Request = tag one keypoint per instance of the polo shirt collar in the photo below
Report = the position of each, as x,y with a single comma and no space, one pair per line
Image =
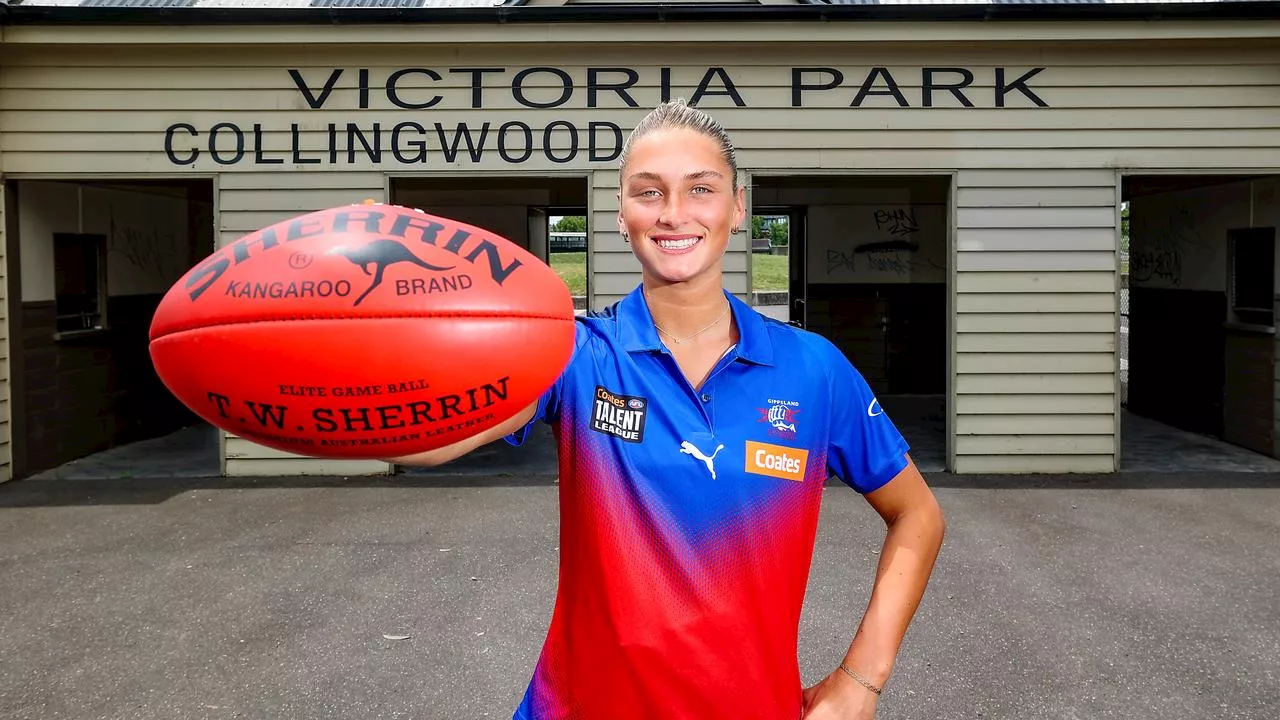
637,332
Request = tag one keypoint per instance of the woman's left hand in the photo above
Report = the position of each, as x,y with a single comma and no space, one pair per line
839,697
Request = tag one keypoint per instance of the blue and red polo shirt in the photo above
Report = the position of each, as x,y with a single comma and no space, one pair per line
688,516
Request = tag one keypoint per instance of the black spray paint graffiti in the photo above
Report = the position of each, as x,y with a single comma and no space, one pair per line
1160,244
1163,263
884,256
150,250
900,222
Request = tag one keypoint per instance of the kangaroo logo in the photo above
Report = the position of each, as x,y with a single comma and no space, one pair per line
381,253
688,448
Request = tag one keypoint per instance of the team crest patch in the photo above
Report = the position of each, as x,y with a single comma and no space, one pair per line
781,416
622,416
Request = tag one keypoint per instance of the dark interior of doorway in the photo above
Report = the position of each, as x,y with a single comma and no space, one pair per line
99,257
521,209
1196,333
866,267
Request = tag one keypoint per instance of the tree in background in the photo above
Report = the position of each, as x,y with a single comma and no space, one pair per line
773,227
570,223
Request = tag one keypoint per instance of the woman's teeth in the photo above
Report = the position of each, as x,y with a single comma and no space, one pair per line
684,244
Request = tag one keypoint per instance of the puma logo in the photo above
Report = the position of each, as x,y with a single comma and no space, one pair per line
688,448
380,254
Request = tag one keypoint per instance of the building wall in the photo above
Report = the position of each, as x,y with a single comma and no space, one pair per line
1034,273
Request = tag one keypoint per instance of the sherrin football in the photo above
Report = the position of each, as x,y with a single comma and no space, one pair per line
363,331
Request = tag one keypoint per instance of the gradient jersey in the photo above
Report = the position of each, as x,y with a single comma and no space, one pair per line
688,516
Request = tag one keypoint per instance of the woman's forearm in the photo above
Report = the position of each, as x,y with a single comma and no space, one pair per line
906,562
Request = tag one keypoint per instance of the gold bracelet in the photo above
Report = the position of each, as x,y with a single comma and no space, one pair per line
862,682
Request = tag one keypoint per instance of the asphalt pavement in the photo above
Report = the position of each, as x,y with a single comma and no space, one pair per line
1134,596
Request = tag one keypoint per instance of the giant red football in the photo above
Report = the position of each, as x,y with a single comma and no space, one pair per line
363,331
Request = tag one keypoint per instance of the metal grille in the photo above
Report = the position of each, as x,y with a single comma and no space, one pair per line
1123,341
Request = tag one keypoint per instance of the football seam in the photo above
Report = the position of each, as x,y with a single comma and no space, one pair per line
397,316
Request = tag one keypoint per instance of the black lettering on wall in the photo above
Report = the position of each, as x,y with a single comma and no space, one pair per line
474,148
477,82
413,141
928,85
215,151
890,89
548,145
420,146
364,89
595,86
374,151
799,86
168,144
1003,88
595,149
259,156
393,90
502,141
566,87
295,141
315,102
726,83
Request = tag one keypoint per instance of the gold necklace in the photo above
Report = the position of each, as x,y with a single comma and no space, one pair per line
680,341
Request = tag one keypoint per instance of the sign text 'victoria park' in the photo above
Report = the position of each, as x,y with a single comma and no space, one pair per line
416,140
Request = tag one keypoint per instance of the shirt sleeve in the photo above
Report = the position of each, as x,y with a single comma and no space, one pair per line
548,410
865,449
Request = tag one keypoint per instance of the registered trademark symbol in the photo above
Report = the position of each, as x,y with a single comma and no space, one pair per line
299,260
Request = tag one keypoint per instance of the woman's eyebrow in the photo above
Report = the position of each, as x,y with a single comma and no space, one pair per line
697,175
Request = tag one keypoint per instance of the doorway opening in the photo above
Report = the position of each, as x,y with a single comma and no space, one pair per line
865,262
1197,338
91,261
547,216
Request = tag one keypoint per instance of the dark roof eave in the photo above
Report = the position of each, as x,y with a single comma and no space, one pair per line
657,12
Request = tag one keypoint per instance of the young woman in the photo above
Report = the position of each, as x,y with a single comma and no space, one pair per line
695,436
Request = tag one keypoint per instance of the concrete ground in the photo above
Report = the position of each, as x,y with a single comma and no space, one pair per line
1134,596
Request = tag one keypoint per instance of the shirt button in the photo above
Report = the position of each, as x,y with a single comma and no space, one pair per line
706,397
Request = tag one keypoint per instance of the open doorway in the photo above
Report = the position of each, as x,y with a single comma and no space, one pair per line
1197,328
91,261
547,216
865,262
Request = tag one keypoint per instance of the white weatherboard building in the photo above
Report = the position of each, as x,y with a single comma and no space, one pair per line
960,180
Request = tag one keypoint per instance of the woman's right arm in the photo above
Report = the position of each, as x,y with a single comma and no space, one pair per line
448,453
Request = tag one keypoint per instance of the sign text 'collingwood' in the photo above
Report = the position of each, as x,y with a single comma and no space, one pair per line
418,140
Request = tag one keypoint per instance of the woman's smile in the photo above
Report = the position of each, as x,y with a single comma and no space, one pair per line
676,244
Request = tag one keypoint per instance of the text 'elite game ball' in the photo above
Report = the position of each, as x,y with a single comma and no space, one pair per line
364,331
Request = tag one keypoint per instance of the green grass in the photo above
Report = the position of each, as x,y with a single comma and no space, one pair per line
572,267
770,273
